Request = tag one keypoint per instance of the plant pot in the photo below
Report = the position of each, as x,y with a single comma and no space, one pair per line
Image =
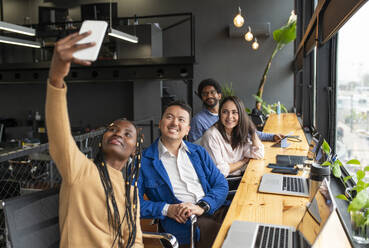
360,231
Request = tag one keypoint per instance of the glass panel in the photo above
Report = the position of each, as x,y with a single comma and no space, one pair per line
352,127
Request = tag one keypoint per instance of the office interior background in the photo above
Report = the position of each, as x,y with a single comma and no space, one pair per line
181,43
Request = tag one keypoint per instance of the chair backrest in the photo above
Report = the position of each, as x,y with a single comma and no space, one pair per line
32,219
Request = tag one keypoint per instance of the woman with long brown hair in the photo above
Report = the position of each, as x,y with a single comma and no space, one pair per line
232,141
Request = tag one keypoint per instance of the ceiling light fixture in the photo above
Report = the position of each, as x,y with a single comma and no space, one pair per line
238,19
17,29
121,35
255,44
20,42
249,36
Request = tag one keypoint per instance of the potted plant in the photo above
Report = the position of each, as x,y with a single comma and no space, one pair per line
282,37
358,197
269,108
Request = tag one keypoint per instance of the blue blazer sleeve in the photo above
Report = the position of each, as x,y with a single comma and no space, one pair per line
148,209
218,185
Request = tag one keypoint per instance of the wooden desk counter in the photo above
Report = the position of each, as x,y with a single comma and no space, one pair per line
248,204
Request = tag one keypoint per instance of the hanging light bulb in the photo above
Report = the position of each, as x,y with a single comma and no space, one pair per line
255,44
238,19
249,36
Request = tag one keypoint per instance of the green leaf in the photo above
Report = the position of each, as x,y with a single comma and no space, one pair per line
358,218
338,162
342,197
284,109
353,161
285,34
258,99
248,111
366,223
358,202
360,174
360,185
326,147
366,168
265,108
326,163
367,206
336,170
345,179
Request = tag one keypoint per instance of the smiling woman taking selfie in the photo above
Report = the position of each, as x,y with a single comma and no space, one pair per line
97,205
232,141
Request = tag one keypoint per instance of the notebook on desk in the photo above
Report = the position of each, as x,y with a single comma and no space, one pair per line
252,234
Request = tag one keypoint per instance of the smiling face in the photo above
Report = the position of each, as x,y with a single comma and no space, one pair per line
119,141
175,123
229,116
210,97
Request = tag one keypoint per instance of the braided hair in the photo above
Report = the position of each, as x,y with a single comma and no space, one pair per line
131,173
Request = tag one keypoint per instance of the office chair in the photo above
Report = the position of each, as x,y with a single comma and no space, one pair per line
33,222
8,188
233,183
164,242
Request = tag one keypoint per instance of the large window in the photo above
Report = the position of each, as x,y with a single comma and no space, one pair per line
352,126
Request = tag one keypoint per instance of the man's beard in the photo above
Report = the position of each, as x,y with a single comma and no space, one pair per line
211,105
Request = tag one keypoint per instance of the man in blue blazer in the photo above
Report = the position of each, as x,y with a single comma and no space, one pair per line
180,179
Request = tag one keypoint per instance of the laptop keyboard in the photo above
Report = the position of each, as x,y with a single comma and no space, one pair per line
274,237
293,184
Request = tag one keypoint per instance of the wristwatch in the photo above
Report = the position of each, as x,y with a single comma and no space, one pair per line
204,205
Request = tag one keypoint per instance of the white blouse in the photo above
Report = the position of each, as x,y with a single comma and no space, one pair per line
223,154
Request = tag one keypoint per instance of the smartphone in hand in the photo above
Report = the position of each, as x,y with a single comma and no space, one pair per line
98,30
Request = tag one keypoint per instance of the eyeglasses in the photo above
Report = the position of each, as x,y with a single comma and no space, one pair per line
206,93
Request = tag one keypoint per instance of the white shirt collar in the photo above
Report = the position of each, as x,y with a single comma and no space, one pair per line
163,150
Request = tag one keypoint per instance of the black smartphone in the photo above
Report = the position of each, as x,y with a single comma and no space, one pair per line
288,166
291,171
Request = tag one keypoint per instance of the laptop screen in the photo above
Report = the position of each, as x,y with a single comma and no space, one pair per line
317,214
314,148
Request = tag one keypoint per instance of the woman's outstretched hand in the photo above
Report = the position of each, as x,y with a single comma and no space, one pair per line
63,57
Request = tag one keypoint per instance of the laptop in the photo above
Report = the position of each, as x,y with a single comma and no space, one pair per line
289,185
317,214
314,146
284,185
